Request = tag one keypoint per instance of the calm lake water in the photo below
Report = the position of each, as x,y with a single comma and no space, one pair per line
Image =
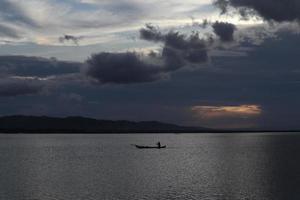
194,166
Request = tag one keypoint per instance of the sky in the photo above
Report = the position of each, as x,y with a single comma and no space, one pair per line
210,63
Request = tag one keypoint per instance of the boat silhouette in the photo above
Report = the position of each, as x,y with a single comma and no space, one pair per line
158,146
150,147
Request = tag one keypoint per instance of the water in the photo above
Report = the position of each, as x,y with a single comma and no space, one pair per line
194,166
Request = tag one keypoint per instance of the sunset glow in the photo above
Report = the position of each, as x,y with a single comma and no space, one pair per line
227,111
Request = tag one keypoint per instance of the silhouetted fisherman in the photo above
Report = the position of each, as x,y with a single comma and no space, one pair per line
158,144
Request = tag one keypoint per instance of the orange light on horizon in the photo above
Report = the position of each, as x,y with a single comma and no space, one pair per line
227,111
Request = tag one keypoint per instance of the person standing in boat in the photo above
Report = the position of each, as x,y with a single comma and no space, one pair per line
158,144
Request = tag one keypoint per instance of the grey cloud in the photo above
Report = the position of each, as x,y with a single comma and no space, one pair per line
224,31
121,68
74,39
274,10
6,31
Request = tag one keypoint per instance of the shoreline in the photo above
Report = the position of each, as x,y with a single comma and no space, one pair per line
146,132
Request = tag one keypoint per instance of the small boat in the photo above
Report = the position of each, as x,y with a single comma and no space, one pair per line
150,147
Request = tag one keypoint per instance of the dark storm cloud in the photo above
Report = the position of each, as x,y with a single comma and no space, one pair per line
122,68
224,30
179,49
74,39
274,10
16,87
6,31
10,11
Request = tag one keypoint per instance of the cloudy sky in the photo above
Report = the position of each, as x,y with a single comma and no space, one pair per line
211,63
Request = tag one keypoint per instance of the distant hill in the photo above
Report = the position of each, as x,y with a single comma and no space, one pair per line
43,124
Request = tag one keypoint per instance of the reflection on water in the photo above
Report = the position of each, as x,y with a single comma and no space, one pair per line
194,166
